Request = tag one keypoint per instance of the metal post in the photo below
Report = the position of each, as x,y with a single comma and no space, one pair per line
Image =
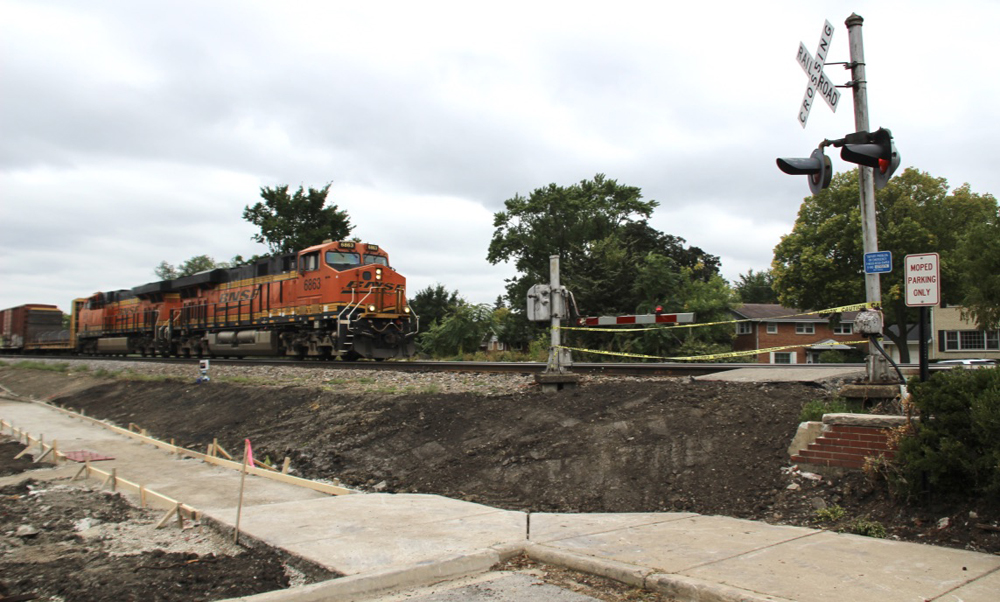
922,333
557,375
878,368
555,353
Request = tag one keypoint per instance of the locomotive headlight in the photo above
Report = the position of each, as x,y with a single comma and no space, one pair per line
378,273
371,308
406,310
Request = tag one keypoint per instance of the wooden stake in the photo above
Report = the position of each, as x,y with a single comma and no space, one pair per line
45,453
142,496
219,449
286,465
239,506
85,467
166,517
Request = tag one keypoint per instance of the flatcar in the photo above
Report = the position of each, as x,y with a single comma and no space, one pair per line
336,299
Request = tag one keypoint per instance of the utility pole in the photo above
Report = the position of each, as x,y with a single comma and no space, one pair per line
878,368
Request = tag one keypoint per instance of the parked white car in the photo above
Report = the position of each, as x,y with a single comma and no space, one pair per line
968,363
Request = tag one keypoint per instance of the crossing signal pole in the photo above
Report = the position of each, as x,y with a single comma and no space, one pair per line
870,151
878,367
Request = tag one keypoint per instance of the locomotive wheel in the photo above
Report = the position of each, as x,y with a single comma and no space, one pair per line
351,356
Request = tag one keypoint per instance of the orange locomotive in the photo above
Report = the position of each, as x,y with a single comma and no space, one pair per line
336,299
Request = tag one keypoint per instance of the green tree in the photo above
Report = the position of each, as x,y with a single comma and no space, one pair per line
198,263
433,304
292,222
611,259
462,331
600,231
978,260
821,262
756,287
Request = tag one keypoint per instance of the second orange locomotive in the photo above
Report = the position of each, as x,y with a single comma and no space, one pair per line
336,299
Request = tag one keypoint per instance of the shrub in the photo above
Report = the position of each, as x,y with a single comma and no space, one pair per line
830,514
955,448
841,357
868,528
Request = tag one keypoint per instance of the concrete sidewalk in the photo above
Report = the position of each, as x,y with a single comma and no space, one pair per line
384,542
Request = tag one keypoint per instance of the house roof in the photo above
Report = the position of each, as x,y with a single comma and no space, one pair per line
829,345
772,312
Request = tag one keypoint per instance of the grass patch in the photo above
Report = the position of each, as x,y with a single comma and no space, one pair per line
830,514
813,410
244,380
431,389
36,365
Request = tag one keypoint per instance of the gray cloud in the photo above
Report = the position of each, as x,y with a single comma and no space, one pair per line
138,132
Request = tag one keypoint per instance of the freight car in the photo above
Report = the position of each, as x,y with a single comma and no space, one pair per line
31,328
336,299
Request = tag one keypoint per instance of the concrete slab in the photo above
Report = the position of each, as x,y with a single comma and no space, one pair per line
490,587
550,527
674,546
984,589
358,533
203,486
805,375
835,567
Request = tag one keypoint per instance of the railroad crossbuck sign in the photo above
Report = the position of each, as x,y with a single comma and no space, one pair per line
819,83
923,279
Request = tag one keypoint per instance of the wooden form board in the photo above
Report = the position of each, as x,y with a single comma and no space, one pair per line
327,488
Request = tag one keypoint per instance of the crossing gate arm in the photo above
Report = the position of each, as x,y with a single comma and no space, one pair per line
682,318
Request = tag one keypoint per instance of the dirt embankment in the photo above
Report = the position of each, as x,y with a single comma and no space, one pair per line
617,446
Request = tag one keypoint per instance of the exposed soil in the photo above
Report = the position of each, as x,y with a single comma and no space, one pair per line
610,446
61,542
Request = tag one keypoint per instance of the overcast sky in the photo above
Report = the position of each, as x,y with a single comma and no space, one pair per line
136,132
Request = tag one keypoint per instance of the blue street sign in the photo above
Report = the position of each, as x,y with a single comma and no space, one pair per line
879,262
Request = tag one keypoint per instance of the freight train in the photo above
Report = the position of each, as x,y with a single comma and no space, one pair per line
336,299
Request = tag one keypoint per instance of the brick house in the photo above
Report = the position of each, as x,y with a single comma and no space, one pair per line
771,325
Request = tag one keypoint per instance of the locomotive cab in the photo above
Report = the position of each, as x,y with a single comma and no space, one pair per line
371,318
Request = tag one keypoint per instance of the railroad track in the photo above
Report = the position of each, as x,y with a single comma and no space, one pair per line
609,368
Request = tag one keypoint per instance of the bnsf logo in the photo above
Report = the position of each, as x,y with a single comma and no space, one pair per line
355,285
237,296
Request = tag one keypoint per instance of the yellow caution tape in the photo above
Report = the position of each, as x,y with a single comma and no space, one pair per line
713,356
616,330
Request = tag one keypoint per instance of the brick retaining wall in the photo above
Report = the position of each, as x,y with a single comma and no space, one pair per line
847,440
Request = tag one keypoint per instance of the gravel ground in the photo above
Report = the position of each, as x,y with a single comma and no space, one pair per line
346,380
340,380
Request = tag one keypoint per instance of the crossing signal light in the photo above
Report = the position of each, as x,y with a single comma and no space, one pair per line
876,150
817,166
